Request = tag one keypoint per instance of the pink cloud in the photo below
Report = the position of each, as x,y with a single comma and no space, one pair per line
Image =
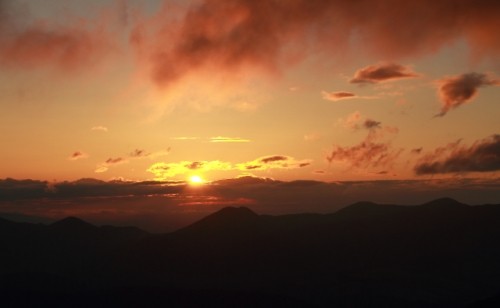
272,35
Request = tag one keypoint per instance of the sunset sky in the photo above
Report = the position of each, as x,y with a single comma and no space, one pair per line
288,90
327,90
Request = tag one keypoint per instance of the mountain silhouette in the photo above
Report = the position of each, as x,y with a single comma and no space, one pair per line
442,254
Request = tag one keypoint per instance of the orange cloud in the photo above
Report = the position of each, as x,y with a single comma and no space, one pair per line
457,90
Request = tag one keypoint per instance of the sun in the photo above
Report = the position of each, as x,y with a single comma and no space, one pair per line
196,179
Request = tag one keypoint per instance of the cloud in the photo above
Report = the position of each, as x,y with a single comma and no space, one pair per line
382,72
162,170
455,91
273,162
356,121
372,151
482,156
100,128
245,34
221,139
109,163
371,124
137,153
78,155
337,96
75,45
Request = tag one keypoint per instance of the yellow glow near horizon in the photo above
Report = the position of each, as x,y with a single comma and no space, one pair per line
196,179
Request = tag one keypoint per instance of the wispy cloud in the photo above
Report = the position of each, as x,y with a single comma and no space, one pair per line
100,128
455,91
222,139
373,151
103,167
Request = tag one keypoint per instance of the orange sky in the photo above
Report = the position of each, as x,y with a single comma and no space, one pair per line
325,90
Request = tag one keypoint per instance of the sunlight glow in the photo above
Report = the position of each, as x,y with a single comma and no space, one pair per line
196,179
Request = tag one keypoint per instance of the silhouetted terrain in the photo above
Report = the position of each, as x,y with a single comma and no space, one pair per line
442,253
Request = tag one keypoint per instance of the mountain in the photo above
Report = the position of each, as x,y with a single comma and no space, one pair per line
439,254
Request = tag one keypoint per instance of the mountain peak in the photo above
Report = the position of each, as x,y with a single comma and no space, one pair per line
73,223
235,212
224,220
444,203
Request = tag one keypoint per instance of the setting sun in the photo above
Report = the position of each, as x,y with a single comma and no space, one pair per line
196,179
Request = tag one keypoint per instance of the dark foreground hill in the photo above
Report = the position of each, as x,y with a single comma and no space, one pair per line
439,254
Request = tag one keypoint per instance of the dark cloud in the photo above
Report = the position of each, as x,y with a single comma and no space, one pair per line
112,161
482,156
457,90
77,155
231,35
137,153
382,72
165,206
195,165
271,159
371,124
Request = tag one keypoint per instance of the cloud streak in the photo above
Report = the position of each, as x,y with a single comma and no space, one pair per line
482,156
458,90
221,139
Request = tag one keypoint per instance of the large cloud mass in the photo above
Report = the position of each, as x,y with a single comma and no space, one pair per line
272,34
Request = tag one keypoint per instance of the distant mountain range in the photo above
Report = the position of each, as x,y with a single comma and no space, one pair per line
439,254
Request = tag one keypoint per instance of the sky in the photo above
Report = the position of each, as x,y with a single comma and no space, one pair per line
326,91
